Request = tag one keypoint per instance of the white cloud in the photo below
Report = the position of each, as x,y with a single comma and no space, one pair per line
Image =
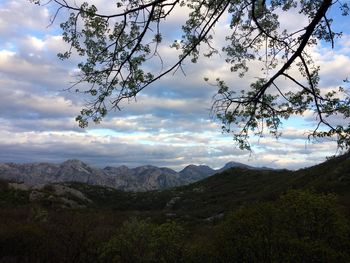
18,13
36,43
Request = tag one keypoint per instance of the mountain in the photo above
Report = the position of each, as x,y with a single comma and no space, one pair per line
143,178
193,173
42,173
230,165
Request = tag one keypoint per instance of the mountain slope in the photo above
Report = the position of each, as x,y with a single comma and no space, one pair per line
193,173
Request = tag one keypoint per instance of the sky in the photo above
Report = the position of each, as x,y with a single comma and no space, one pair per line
169,125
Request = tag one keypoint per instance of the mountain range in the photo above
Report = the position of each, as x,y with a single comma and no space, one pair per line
143,178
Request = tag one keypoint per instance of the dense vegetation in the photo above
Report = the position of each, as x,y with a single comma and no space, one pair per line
236,216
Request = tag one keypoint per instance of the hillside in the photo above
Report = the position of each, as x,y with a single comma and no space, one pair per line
228,190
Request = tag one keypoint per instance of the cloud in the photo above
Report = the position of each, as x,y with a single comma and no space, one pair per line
169,124
11,12
19,103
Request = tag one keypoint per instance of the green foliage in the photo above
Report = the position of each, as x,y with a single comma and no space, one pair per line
140,241
300,227
3,185
168,244
131,244
314,227
20,243
12,197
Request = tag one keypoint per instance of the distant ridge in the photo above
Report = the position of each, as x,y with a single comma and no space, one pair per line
230,165
142,178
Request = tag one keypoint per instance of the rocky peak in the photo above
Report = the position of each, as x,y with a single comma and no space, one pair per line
193,173
76,165
203,168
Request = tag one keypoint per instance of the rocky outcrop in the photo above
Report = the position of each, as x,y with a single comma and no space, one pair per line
31,174
43,173
143,178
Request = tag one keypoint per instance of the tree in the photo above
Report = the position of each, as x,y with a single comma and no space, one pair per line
141,241
115,49
299,227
